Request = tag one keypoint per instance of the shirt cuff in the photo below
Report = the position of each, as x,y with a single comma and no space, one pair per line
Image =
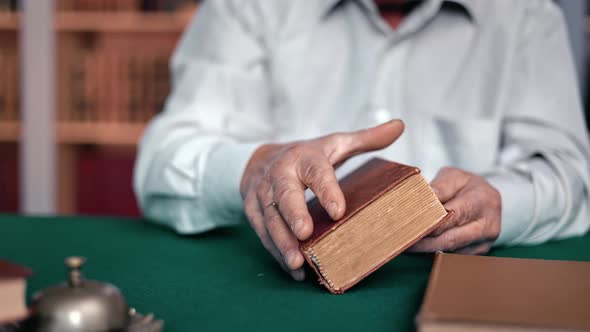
518,205
220,189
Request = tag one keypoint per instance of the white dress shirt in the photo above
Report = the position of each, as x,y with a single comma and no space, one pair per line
486,86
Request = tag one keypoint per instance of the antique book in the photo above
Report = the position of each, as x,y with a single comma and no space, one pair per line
479,293
389,206
12,291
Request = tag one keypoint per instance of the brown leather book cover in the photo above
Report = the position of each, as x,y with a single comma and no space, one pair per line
9,270
361,187
494,293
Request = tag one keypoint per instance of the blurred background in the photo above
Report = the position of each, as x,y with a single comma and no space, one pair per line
79,80
110,77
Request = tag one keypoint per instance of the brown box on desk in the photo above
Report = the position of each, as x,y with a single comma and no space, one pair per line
478,293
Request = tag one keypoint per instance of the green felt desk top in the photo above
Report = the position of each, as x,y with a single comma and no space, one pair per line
224,280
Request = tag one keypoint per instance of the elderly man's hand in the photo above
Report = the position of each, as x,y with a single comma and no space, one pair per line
475,224
274,182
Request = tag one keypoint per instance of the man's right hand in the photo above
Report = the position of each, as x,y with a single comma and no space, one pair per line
274,182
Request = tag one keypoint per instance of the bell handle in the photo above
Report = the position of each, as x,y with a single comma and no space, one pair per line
75,263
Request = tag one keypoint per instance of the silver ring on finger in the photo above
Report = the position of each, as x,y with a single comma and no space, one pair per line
273,204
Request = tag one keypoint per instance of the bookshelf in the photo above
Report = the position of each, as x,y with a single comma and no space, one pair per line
9,103
111,74
113,77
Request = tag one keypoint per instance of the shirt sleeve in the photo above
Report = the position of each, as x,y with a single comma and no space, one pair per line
543,173
191,157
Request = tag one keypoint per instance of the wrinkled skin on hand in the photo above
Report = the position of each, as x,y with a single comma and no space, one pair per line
475,224
274,182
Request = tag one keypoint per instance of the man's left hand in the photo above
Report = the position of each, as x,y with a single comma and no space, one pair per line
475,224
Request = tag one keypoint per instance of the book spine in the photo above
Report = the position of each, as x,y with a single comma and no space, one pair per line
4,112
102,95
162,82
122,78
146,96
13,68
132,101
17,83
152,88
119,77
316,265
97,75
110,108
114,83
119,114
90,88
77,87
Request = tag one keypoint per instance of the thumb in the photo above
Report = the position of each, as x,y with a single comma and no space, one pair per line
340,147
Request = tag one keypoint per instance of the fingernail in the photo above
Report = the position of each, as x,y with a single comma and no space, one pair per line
298,275
400,121
291,258
332,209
297,226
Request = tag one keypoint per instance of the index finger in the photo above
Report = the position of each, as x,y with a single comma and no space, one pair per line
318,174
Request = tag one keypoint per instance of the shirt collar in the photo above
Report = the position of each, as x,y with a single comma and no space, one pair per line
470,7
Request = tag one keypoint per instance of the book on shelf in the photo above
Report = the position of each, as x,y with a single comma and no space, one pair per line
3,90
119,5
109,83
484,294
102,5
389,206
9,85
9,5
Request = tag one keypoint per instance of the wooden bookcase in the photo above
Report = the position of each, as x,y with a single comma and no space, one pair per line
9,125
104,46
102,98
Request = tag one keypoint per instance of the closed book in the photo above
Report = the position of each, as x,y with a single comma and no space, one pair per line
12,291
479,293
389,206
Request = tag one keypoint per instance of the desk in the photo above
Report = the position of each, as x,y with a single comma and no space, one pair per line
224,280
